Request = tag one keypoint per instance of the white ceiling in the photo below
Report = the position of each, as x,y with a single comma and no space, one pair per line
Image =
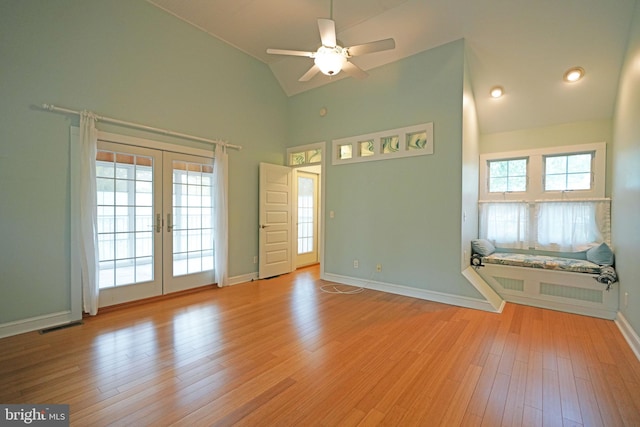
523,45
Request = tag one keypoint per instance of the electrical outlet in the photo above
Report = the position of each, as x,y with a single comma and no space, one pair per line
378,268
255,259
626,299
356,264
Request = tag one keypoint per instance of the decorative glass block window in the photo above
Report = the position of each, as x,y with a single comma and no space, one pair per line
568,172
389,144
507,175
367,148
297,158
416,141
314,156
305,157
345,151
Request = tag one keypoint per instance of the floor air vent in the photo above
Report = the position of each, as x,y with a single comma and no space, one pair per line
57,328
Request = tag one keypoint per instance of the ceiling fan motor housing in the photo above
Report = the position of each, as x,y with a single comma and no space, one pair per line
330,60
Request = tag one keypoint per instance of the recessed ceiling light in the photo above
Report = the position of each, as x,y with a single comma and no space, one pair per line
496,91
573,74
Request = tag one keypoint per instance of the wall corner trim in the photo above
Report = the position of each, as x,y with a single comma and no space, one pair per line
484,288
628,333
457,300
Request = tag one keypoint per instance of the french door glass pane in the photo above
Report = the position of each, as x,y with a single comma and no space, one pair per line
125,218
305,215
192,212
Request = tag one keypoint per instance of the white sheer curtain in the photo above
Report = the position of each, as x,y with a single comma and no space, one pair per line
570,226
506,224
87,226
221,227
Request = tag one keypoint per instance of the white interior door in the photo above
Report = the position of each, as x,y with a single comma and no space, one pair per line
275,228
155,216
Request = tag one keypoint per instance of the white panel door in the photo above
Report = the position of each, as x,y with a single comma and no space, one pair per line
275,228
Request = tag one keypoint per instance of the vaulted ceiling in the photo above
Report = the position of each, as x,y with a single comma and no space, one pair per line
524,46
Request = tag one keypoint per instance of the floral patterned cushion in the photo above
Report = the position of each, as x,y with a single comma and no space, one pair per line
541,261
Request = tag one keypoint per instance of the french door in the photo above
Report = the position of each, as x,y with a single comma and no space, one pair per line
155,222
307,245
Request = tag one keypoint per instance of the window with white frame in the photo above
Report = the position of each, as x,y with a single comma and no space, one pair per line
549,199
390,144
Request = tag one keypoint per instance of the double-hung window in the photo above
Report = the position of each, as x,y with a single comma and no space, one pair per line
548,199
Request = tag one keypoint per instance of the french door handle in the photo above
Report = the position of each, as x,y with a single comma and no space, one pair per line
158,223
169,224
263,226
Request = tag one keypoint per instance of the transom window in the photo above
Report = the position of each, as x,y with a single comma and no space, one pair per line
568,172
507,175
389,144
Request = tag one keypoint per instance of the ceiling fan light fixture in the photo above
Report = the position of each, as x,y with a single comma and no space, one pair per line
330,60
573,74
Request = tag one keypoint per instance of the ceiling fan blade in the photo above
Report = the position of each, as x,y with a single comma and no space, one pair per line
309,74
327,29
354,71
371,47
290,52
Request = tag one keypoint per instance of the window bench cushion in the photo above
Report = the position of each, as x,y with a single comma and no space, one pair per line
542,261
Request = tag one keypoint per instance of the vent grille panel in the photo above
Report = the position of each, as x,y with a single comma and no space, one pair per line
570,292
511,284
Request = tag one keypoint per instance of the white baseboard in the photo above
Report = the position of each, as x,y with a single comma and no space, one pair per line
243,278
34,323
407,291
629,334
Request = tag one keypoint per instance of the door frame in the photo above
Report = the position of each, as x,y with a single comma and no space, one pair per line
322,182
75,312
316,206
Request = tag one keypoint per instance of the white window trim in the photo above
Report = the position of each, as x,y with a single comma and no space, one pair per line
75,279
156,145
308,147
377,137
535,174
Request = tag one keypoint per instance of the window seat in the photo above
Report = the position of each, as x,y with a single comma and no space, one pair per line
566,284
542,261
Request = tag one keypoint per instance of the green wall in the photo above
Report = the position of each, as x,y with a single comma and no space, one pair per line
403,213
625,221
125,59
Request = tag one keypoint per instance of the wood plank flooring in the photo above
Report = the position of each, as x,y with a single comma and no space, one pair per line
280,352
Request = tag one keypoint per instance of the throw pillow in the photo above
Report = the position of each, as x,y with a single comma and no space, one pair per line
601,254
482,247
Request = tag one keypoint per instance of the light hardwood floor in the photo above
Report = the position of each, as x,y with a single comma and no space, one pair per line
281,352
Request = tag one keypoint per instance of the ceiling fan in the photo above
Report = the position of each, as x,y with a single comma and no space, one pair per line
330,58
